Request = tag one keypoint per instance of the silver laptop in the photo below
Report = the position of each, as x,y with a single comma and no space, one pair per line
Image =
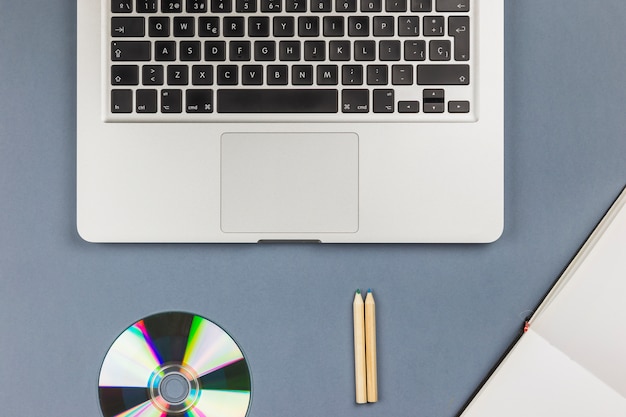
316,120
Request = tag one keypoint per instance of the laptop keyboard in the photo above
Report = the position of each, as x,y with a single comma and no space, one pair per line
293,60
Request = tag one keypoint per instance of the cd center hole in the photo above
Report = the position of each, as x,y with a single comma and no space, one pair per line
174,388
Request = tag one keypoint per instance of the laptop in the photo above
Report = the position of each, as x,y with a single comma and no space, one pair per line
290,120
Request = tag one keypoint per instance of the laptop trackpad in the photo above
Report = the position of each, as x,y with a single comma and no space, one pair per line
290,182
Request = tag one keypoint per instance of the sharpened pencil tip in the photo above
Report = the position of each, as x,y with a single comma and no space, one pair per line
369,290
358,291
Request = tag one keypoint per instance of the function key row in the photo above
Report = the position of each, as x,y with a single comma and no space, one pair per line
276,6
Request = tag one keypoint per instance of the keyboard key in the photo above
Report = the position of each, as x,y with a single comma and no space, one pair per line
159,27
355,101
321,5
152,75
364,50
271,6
408,107
146,101
434,107
458,27
277,74
284,26
227,75
243,100
289,51
402,75
265,50
296,6
327,75
377,74
369,6
239,50
234,26
339,50
221,6
453,5
443,74
199,101
165,51
434,100
121,6
352,75
252,75
196,6
171,6
414,50
127,27
171,101
121,101
389,50
333,26
345,6
184,26
433,25
421,6
302,75
190,51
245,6
395,5
458,106
440,50
383,26
215,51
258,26
202,75
408,26
383,101
434,95
130,51
177,75
308,26
314,51
124,75
208,26
147,6
358,26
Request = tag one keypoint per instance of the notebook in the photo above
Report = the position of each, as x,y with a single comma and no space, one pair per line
570,359
314,120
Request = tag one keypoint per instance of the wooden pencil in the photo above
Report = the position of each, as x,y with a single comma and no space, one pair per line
370,348
360,380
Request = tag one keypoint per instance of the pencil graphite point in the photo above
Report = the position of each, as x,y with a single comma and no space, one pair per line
369,290
358,291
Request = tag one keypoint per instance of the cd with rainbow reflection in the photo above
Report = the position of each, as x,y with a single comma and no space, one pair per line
174,364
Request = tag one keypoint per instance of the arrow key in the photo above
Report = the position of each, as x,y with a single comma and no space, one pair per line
458,106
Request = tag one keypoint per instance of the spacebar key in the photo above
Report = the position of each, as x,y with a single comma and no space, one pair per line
277,101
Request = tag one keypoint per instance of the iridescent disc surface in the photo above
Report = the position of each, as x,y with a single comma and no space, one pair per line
174,364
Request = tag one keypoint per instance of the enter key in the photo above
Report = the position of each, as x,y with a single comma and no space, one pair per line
459,28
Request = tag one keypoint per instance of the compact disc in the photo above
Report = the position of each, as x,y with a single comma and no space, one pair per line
174,364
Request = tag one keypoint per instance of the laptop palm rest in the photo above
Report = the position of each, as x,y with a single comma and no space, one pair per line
289,182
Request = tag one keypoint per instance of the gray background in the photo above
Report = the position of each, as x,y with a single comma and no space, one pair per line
445,312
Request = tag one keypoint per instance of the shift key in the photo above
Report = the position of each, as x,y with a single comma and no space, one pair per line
443,75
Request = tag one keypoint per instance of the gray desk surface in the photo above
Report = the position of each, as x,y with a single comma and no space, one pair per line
445,312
